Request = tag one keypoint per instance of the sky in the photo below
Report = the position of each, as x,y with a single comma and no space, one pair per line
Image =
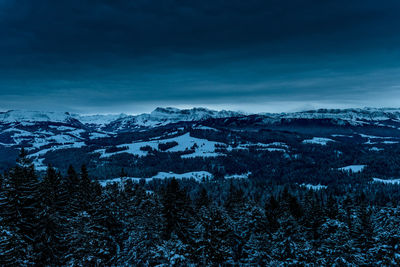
113,56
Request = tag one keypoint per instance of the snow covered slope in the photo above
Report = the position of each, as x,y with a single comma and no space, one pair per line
193,147
164,116
222,132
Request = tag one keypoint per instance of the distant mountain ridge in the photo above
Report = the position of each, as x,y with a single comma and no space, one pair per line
162,116
158,117
53,137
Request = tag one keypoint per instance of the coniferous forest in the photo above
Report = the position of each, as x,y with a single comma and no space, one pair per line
59,220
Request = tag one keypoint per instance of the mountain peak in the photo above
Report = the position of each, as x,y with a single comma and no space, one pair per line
28,115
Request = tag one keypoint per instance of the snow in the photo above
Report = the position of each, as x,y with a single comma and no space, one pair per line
101,120
77,132
238,176
318,140
314,187
271,147
205,148
163,116
63,138
388,181
62,128
340,135
390,142
185,142
353,168
196,175
202,154
38,161
373,137
98,135
39,165
31,116
354,116
28,117
201,127
376,149
279,144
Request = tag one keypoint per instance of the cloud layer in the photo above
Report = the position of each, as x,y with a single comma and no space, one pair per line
114,56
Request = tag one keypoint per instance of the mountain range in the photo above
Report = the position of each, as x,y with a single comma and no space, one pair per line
183,136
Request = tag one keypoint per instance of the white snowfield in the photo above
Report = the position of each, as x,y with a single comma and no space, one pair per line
163,116
238,176
201,147
353,168
195,147
198,176
97,135
271,147
388,181
37,158
318,141
314,187
376,149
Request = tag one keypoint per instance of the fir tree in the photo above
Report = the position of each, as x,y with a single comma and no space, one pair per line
19,209
52,226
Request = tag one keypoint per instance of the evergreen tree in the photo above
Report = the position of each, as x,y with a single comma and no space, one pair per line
213,237
85,190
53,220
177,212
19,208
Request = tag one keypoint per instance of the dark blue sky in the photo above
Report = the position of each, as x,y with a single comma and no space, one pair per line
255,55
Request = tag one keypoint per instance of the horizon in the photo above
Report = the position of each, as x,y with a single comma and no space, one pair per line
386,108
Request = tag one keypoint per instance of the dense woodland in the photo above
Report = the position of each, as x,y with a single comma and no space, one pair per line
71,220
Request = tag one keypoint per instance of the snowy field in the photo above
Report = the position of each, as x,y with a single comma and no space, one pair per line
314,187
388,181
318,141
200,147
353,168
198,176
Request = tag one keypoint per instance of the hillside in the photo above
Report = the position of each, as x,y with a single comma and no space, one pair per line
199,140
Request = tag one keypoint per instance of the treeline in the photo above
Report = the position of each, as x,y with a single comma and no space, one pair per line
71,220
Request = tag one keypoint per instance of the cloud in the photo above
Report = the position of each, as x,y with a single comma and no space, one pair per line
119,53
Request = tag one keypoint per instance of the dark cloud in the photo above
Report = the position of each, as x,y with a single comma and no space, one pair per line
175,51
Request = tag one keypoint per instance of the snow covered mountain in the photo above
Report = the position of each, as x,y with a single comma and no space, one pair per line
164,116
353,116
188,133
160,116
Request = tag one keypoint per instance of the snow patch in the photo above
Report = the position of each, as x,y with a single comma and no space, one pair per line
200,147
314,187
353,168
318,140
238,176
197,175
388,181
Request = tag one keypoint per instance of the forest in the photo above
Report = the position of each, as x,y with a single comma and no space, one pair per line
69,219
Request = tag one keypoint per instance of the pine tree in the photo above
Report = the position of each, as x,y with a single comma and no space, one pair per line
85,191
53,220
363,231
142,231
19,208
272,213
213,237
176,212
